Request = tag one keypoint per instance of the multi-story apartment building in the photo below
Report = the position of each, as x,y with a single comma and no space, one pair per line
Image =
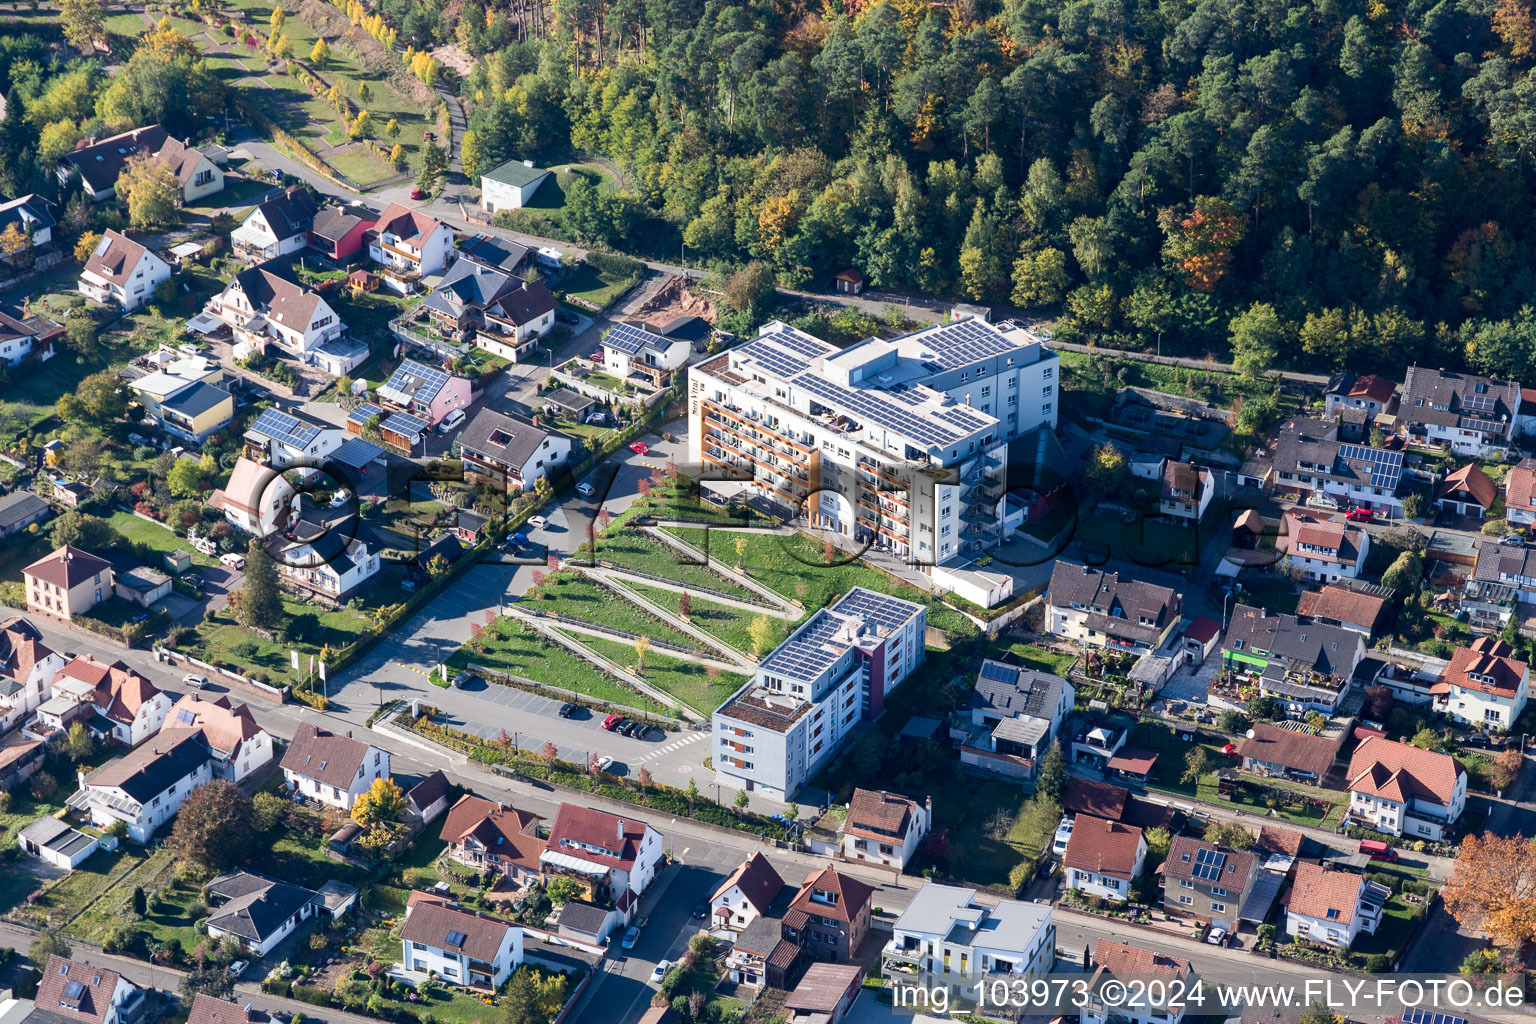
66,583
1405,790
145,787
1099,608
1470,414
1313,459
1207,881
945,930
807,694
900,443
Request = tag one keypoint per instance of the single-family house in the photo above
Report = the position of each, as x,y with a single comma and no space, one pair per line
171,375
1207,881
196,411
884,828
630,349
237,745
459,947
1471,415
1503,576
1016,713
99,163
614,858
425,391
1101,609
331,566
121,271
498,253
408,245
1466,492
511,449
1484,686
487,835
67,582
52,841
1306,665
745,895
1520,493
1352,604
1288,751
427,800
1371,392
129,708
945,929
208,1010
1404,790
1104,857
145,787
509,186
27,669
1332,906
83,993
761,954
262,306
1167,980
276,227
489,306
36,335
330,768
516,321
258,911
257,498
1186,492
19,510
338,232
829,916
33,217
281,439
1323,548
1317,460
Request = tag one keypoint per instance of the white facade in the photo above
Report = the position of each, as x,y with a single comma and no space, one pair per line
278,934
107,803
314,325
893,851
1480,709
1098,883
256,237
453,966
336,579
664,354
375,766
256,498
497,195
1012,938
136,287
404,258
28,693
1417,818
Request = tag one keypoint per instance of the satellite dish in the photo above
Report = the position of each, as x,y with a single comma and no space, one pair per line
1250,734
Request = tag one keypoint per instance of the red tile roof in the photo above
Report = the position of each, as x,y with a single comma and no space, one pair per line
67,567
1520,486
470,812
852,896
1488,666
1129,759
1203,630
21,647
877,814
1473,480
596,836
432,924
208,1010
1401,772
1105,847
1342,605
88,1003
1373,386
1273,839
759,882
1328,895
1099,799
1132,961
1288,748
325,756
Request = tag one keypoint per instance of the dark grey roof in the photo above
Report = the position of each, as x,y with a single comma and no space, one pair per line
469,285
195,399
505,440
288,213
428,791
579,916
494,252
1445,398
1498,562
153,768
99,164
571,401
760,935
357,453
1011,690
334,222
1311,446
20,506
1113,605
1319,647
37,210
257,906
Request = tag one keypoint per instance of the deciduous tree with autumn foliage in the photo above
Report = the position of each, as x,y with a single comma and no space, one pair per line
1493,888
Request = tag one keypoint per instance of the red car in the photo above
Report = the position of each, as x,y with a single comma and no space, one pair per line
640,448
1360,515
612,721
417,193
596,357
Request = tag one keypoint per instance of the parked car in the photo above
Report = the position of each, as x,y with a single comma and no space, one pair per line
612,722
604,763
631,937
700,910
636,729
567,317
234,561
567,710
196,682
538,522
195,580
518,539
462,680
1218,937
640,448
596,357
624,725
238,968
661,970
1360,515
418,193
342,497
586,490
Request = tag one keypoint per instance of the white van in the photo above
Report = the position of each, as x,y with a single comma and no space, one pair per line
234,561
451,421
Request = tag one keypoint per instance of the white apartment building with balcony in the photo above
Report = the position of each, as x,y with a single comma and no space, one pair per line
944,930
900,442
809,693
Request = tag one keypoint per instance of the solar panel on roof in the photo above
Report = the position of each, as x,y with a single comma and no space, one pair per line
1386,467
631,339
456,938
804,346
365,412
966,341
1000,673
186,717
877,410
276,423
405,424
781,364
1208,864
1423,1015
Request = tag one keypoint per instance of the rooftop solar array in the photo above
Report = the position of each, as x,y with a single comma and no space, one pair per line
874,407
404,424
365,412
962,416
1423,1015
1208,864
456,938
276,423
881,609
186,717
808,347
420,381
775,361
631,339
808,652
998,672
1478,403
966,341
1386,467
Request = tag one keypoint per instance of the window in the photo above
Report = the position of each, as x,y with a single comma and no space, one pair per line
1218,908
1185,900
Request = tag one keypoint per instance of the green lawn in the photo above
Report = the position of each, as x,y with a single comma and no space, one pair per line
173,919
1042,660
223,641
126,23
66,898
728,624
155,536
640,551
977,855
510,647
296,853
793,567
361,165
567,593
689,683
592,285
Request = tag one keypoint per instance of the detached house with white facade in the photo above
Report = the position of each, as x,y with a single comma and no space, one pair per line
330,768
1404,790
99,163
946,930
630,349
1469,414
1484,686
1102,609
1166,978
1016,714
612,857
237,745
511,450
257,498
884,828
78,992
122,272
1104,857
1332,906
27,668
407,245
262,307
276,227
1186,492
1323,548
459,947
745,895
145,787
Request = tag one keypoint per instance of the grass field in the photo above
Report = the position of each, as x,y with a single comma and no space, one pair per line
688,682
793,567
513,648
728,624
224,642
1041,659
158,537
581,598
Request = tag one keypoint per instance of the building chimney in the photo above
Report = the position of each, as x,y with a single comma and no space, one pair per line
621,829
